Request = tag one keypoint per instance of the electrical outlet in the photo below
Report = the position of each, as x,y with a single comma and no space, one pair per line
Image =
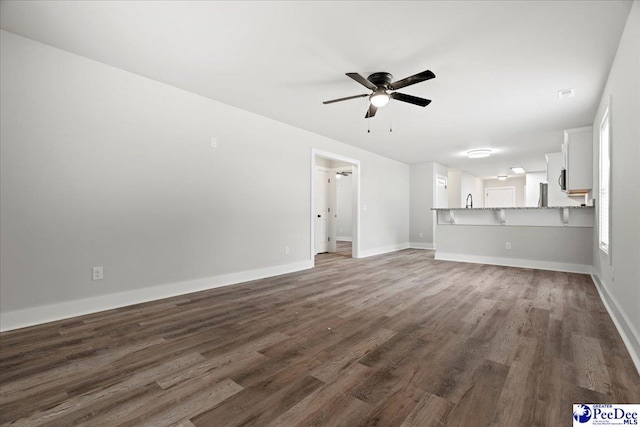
214,142
286,250
98,273
421,235
507,245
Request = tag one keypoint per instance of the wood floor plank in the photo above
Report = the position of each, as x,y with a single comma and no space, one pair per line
323,396
527,377
176,407
336,365
452,373
313,351
223,366
431,411
60,374
80,402
393,410
398,339
505,343
254,405
12,410
346,411
481,397
590,367
480,310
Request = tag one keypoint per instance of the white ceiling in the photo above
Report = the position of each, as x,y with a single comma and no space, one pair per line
499,65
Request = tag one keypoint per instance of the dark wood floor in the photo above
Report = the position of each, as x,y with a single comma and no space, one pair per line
391,340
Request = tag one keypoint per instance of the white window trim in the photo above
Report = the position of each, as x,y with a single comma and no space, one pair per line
606,204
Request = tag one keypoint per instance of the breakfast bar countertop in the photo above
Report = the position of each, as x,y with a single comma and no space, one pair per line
527,207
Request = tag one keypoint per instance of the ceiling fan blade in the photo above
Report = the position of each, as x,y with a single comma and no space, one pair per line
371,111
417,78
411,99
344,99
364,82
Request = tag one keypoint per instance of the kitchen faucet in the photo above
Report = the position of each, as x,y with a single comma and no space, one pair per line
469,201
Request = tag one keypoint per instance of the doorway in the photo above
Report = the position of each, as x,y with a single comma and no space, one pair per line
326,170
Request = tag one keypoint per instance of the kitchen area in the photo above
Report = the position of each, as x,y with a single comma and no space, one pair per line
547,223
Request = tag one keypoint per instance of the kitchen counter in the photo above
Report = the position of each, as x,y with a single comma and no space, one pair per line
527,207
552,216
551,238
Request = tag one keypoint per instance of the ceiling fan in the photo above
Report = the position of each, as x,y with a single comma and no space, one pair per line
381,87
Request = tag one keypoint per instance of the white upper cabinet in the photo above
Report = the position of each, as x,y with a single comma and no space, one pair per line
578,159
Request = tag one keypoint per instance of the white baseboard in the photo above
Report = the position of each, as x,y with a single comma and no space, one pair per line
383,250
64,310
515,262
625,328
422,245
343,239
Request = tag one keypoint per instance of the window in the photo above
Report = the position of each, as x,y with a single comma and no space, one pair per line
605,175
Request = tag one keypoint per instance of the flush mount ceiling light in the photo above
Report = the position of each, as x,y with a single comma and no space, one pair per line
379,98
566,93
517,169
502,177
476,154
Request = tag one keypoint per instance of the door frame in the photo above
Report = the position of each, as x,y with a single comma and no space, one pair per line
355,199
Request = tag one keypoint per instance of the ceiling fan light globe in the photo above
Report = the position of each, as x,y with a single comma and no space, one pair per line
379,99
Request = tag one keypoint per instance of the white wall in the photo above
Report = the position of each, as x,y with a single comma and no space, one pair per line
619,278
423,198
344,209
453,188
422,195
549,248
470,184
460,184
518,183
101,167
532,188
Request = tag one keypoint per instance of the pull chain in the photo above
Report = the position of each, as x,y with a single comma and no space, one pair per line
368,126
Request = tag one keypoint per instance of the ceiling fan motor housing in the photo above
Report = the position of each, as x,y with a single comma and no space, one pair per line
381,79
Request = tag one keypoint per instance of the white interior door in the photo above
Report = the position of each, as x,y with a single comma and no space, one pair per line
331,212
321,202
500,197
344,208
441,192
